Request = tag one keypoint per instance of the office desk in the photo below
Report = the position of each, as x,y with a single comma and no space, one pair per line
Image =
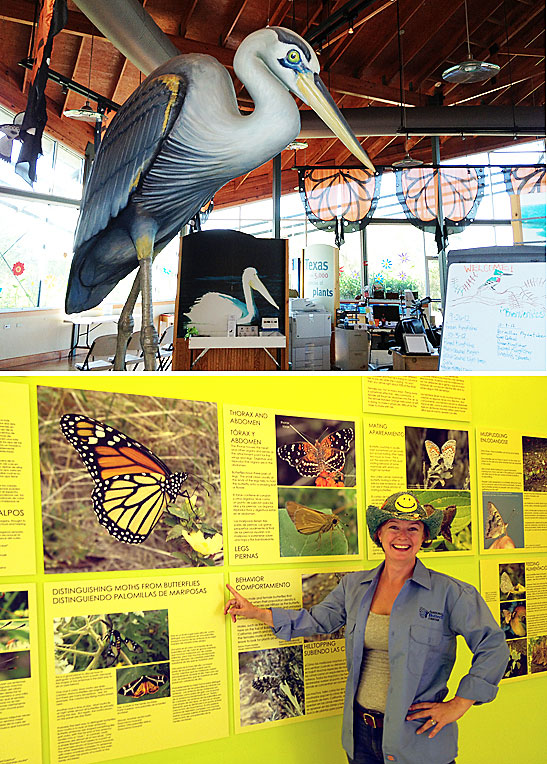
90,323
403,362
380,336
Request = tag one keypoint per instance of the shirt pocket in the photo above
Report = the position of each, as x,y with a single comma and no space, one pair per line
425,644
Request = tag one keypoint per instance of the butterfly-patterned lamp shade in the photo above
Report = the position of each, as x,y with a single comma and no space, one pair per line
525,180
339,200
462,191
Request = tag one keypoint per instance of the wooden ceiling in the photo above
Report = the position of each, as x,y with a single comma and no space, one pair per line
361,70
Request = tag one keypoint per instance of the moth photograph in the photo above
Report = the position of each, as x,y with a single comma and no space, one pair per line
534,459
318,452
437,458
90,642
143,683
503,520
271,685
317,522
128,481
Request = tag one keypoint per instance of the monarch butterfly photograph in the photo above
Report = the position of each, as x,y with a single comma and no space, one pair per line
128,482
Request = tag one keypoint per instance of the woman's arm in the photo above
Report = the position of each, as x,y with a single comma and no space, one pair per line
238,605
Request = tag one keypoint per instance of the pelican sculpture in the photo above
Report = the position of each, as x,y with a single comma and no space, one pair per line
174,143
210,313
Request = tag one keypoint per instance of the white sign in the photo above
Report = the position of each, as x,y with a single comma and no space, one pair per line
321,276
495,317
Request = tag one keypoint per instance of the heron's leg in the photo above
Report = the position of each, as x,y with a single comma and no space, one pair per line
149,335
126,324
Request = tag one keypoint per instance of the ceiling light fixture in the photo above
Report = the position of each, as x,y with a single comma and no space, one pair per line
296,145
86,113
406,161
470,70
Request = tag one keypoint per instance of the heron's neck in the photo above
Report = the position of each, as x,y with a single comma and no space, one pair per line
249,301
275,108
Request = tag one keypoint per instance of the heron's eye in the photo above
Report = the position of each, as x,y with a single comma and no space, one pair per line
293,56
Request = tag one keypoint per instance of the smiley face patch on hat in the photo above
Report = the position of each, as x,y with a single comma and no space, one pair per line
406,503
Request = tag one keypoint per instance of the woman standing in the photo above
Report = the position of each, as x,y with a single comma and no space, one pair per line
401,623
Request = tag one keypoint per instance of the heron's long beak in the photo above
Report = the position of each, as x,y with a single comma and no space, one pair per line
315,94
257,284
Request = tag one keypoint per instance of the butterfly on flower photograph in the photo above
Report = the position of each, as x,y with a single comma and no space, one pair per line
503,520
512,581
315,452
437,458
128,481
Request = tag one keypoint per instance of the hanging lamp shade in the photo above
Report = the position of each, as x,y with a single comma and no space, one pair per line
470,70
85,114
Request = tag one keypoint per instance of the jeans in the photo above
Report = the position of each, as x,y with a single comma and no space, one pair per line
367,743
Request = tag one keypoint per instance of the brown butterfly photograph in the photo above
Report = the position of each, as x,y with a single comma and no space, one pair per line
437,458
503,520
315,522
456,531
534,463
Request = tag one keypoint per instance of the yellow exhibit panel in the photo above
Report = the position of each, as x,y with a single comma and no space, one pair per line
17,554
19,676
134,665
277,682
516,592
293,486
513,490
428,395
435,463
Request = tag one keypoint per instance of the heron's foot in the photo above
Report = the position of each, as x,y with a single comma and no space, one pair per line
149,343
125,330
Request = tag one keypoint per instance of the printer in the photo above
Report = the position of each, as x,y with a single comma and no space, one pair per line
310,327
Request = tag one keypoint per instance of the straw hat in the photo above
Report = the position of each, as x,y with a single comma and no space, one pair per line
402,506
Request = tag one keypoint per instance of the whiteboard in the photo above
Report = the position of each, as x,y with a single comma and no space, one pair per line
496,311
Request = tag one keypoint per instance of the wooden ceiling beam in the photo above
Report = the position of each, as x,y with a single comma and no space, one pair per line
235,18
187,12
64,105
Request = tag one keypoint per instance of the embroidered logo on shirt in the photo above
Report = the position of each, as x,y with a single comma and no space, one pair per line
432,615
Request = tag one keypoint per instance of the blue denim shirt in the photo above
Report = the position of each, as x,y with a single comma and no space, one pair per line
430,610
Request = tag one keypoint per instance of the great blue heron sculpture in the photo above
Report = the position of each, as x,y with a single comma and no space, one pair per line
173,144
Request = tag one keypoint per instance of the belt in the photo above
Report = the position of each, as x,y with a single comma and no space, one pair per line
373,719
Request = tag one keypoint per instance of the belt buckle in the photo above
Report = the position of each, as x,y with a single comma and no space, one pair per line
369,720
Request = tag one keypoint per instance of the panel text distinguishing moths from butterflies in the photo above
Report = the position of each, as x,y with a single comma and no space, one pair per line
435,464
116,644
516,593
513,488
292,485
19,680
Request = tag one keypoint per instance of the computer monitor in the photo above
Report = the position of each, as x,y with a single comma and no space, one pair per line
389,313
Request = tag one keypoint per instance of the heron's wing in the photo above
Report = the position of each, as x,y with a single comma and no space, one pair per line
133,139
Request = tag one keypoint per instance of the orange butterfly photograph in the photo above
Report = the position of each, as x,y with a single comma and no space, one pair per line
318,452
129,482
